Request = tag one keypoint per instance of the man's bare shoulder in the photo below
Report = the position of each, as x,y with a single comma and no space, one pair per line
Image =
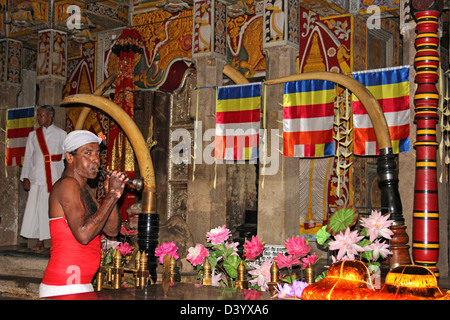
66,184
64,193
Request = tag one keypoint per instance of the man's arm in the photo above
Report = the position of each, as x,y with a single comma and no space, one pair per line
112,225
86,227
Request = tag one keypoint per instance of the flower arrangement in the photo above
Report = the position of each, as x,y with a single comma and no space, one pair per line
369,243
125,243
297,250
223,256
169,248
224,259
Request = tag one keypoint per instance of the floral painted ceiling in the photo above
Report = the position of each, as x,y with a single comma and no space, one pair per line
22,19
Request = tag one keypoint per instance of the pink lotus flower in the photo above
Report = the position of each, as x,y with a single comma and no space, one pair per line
346,244
127,232
309,259
169,248
377,225
111,244
261,274
286,261
196,254
284,291
253,248
297,246
218,235
124,248
298,287
293,291
216,278
378,248
233,245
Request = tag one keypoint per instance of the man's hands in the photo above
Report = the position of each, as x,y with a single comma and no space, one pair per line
115,183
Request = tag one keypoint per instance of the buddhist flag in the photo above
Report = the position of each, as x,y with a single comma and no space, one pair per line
308,113
238,116
20,122
391,88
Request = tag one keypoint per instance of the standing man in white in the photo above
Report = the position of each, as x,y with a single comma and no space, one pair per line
42,166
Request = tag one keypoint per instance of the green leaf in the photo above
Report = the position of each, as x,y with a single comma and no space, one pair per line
364,242
340,220
322,235
229,252
367,255
321,276
212,261
289,279
231,264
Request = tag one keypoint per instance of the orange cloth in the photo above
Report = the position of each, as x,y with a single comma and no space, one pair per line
70,261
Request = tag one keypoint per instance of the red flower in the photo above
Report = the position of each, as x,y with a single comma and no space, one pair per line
253,248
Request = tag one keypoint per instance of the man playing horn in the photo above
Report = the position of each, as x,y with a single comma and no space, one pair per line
77,219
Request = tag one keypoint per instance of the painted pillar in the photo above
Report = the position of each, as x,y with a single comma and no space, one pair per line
426,99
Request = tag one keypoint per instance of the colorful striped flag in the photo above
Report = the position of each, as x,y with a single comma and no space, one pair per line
20,122
238,116
308,114
391,88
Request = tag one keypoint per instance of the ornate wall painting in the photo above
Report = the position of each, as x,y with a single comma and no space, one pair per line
209,30
82,77
244,43
326,44
392,6
11,62
281,23
168,39
60,12
52,54
43,58
139,5
314,190
325,8
59,54
202,27
26,16
82,80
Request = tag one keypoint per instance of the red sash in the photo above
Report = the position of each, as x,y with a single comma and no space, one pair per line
48,158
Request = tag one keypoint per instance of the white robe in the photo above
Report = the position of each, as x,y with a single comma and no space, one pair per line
35,220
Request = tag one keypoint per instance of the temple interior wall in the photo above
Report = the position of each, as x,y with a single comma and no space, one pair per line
188,190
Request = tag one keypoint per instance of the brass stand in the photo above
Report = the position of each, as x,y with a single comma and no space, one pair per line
116,272
274,271
207,281
310,275
241,282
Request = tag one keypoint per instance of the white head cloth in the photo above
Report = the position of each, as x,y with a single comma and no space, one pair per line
78,138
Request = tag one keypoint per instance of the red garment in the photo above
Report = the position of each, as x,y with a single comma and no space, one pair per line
70,261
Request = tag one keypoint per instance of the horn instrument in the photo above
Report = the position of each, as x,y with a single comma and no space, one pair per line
137,183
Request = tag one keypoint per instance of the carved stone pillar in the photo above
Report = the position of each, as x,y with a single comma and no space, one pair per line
51,70
10,86
206,204
279,179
